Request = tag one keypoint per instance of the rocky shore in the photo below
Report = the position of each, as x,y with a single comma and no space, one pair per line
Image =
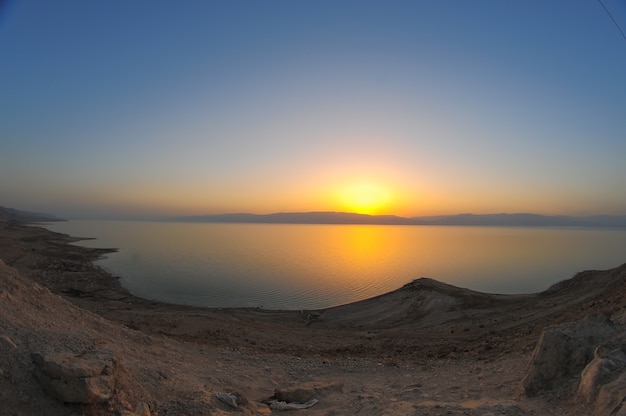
74,342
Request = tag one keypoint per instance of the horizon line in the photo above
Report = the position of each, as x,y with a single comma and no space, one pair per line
165,217
463,219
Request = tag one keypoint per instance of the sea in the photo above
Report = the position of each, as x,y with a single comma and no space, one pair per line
311,266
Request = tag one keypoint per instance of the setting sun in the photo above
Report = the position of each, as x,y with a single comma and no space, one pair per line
365,198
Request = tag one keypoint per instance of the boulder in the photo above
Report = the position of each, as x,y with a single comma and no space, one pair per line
588,356
611,398
608,363
306,392
563,351
71,378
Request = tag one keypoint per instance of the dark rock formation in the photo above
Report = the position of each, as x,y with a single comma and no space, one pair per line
307,391
586,359
70,378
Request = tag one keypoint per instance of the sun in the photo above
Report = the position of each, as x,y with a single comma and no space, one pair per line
365,198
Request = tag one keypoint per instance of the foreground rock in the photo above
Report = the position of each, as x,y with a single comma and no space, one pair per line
84,378
584,360
563,352
305,392
80,370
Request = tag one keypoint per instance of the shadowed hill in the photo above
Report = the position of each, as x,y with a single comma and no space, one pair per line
14,216
426,305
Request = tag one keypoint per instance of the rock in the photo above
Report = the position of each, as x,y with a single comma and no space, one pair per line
611,397
590,353
7,343
563,351
278,405
71,378
229,399
142,409
608,363
306,392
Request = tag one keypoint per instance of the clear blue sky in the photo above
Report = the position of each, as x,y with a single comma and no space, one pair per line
404,107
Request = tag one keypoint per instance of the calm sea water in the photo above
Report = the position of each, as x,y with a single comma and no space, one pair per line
286,266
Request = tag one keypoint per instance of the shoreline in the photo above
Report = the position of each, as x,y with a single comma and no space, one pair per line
520,261
425,348
70,272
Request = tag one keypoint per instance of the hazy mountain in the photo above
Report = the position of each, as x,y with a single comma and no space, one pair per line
524,219
528,220
302,218
12,215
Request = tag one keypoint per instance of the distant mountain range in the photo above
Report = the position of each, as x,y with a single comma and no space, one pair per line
15,216
526,220
523,220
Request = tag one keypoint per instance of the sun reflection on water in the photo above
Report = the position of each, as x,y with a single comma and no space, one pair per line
313,266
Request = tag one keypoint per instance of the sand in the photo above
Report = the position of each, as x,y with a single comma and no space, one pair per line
427,348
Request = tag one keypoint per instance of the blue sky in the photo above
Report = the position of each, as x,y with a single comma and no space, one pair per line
153,108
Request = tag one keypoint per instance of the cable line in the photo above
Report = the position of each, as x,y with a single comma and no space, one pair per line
613,19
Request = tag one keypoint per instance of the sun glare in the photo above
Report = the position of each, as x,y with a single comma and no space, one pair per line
365,198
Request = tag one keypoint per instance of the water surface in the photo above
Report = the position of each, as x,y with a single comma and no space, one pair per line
296,266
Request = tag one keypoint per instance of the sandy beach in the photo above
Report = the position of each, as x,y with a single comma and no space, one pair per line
427,348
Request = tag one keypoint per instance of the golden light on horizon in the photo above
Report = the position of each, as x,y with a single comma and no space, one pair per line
365,198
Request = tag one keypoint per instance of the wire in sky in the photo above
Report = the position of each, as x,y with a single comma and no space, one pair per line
613,19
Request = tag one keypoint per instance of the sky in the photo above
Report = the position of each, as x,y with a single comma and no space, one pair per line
154,108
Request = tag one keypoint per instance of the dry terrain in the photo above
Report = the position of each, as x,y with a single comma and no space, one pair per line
425,349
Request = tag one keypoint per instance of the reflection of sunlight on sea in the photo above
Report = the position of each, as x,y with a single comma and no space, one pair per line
314,266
